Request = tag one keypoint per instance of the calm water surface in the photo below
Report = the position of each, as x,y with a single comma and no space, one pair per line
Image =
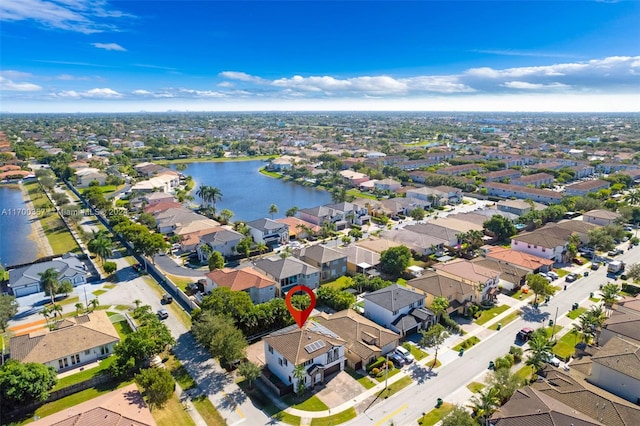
249,194
15,226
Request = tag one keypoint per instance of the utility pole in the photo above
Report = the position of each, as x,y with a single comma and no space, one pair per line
86,301
386,376
553,330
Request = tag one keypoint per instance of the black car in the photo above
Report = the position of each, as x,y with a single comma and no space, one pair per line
595,266
524,334
571,278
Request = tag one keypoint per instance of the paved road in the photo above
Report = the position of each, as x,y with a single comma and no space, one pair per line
168,265
408,405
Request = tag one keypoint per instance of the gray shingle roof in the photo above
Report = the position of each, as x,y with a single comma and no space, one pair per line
283,268
68,266
394,297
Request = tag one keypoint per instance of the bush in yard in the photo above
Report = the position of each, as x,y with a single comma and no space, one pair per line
509,357
110,267
502,363
517,354
375,371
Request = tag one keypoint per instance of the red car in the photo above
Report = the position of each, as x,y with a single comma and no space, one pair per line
578,261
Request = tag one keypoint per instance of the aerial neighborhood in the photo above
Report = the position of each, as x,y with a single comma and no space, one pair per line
473,269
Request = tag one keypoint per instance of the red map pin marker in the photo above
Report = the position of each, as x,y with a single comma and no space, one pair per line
300,316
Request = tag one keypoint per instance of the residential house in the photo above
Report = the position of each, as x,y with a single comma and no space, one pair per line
459,223
420,243
536,180
583,188
523,192
365,340
70,343
122,407
220,239
268,231
174,221
462,169
320,351
512,277
448,235
321,215
331,263
450,194
260,288
502,175
26,280
622,323
601,217
540,244
354,178
529,262
518,207
616,368
287,272
609,168
85,177
436,196
387,185
350,212
484,279
298,228
432,284
360,260
281,163
399,309
377,245
583,171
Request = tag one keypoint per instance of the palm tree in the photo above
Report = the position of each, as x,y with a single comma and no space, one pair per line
540,347
610,293
226,215
94,304
203,192
262,247
633,197
215,195
100,245
50,282
205,250
299,374
46,311
57,309
273,209
137,302
79,306
439,306
485,403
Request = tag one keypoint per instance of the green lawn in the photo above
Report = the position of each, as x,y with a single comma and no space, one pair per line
340,283
525,373
550,331
74,399
470,342
360,194
475,387
417,353
565,347
109,286
506,320
265,404
85,375
434,416
208,412
179,373
520,295
173,413
561,272
395,387
123,307
365,381
335,419
311,404
67,301
391,374
576,312
99,292
594,299
490,314
270,174
123,328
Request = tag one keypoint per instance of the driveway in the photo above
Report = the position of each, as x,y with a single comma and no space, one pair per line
340,389
168,265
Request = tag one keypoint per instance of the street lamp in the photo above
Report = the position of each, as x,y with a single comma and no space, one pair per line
386,376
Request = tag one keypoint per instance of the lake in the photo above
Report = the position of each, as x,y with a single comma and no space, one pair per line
248,193
15,246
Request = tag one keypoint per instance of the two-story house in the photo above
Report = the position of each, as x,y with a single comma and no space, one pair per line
268,231
287,272
316,349
540,244
258,286
331,263
433,284
399,309
485,280
220,239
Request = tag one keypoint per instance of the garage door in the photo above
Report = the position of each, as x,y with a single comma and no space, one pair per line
333,369
23,291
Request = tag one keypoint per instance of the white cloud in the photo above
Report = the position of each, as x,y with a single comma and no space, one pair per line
84,16
241,76
141,92
533,86
101,93
15,75
226,84
109,46
11,86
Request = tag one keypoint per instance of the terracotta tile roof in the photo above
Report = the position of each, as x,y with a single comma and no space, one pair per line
291,341
239,280
76,335
122,407
518,258
294,225
363,336
161,206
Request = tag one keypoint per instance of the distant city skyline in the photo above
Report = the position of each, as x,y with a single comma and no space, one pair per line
129,56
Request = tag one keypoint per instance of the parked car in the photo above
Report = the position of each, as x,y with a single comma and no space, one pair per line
397,359
163,314
524,334
552,360
571,278
400,350
595,266
553,275
545,276
166,299
578,261
136,267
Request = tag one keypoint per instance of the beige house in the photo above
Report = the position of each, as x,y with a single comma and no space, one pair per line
484,280
433,284
601,217
365,340
72,342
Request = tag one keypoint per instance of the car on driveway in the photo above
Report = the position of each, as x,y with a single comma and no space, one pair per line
550,359
405,354
553,275
397,359
571,277
595,266
163,314
578,261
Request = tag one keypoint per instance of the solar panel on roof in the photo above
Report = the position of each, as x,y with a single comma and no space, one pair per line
314,346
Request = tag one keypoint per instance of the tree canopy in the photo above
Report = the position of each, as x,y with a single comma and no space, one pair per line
22,383
394,261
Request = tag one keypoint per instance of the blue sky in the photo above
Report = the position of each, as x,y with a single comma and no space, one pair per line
120,56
